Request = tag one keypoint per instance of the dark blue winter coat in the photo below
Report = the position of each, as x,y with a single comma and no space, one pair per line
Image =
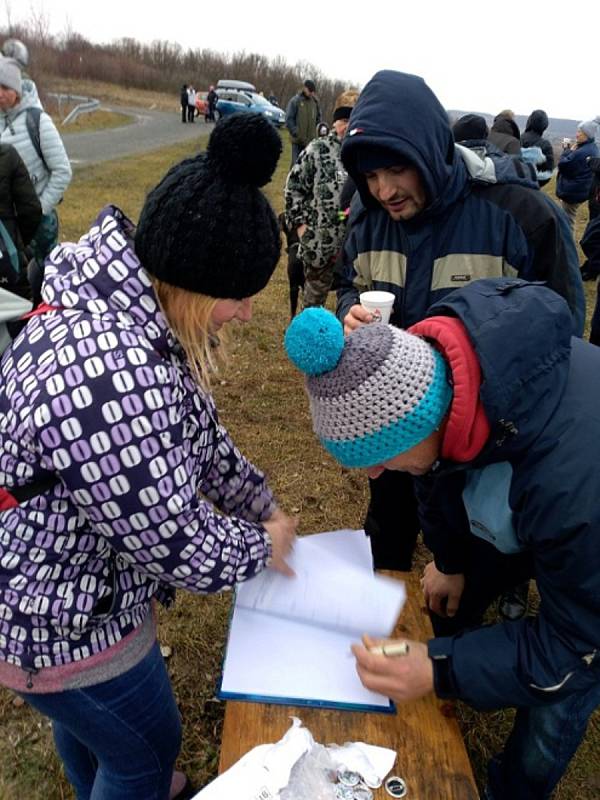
541,393
470,229
574,174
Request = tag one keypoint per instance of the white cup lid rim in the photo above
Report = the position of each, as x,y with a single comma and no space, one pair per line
378,297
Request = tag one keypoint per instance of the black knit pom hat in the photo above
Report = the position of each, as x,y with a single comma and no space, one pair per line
207,227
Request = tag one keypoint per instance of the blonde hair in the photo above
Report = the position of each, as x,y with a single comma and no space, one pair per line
189,315
347,98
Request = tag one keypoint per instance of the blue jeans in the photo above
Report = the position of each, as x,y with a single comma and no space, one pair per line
118,739
541,744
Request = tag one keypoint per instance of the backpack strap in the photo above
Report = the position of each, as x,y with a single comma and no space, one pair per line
32,122
20,494
43,308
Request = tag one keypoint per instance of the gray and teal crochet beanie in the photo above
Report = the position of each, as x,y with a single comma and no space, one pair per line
374,394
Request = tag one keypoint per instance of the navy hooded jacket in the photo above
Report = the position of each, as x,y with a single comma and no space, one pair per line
541,393
470,228
574,173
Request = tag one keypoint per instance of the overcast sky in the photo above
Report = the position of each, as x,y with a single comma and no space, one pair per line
476,56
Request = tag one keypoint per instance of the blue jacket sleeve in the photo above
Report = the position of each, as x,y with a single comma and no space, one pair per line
537,660
347,293
557,262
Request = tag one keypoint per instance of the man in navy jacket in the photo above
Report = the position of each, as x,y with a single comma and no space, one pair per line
429,218
491,386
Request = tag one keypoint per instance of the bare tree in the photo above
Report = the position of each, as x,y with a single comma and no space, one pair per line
161,64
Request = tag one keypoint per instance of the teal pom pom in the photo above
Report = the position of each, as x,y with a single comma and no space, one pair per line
314,341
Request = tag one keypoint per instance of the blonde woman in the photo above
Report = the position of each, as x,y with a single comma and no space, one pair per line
120,483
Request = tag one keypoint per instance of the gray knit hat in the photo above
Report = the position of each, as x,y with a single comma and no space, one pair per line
10,75
589,127
374,394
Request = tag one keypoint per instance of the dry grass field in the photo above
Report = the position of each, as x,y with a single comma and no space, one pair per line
261,399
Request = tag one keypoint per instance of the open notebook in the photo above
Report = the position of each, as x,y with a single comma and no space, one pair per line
289,639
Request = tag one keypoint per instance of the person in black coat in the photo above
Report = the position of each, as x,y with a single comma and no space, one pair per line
533,137
183,99
211,99
505,133
575,177
20,213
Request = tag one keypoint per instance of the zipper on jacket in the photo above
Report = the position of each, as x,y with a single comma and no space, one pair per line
406,244
31,671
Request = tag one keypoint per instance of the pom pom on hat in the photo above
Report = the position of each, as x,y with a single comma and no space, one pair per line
314,341
207,227
245,148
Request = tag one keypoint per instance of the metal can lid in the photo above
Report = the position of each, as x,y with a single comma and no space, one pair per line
363,793
395,786
348,777
343,792
373,782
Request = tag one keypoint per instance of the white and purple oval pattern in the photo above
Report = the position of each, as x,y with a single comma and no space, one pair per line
152,492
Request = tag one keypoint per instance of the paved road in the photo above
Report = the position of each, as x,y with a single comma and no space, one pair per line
150,131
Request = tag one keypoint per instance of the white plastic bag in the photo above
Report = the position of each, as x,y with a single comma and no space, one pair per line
312,777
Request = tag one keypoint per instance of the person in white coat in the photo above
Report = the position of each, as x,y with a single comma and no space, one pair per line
49,170
191,93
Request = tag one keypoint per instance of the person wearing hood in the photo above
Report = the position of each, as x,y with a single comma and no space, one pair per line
471,131
429,217
119,482
575,176
505,133
535,126
50,171
445,402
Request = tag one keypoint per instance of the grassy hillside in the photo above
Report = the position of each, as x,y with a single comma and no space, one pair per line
261,400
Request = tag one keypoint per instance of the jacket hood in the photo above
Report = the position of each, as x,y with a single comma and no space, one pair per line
521,333
537,121
398,114
102,276
506,125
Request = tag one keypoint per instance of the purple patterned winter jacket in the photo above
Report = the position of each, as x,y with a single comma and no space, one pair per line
99,392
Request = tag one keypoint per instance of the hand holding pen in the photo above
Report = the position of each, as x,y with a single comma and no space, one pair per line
399,669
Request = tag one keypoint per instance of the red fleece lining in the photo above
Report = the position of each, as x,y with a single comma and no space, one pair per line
468,428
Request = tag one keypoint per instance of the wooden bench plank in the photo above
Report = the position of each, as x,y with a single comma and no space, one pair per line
431,755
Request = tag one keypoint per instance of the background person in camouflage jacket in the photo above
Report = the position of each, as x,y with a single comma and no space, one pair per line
313,206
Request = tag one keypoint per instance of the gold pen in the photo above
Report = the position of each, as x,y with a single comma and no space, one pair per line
391,648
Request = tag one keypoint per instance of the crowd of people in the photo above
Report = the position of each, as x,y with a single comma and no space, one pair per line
194,104
472,413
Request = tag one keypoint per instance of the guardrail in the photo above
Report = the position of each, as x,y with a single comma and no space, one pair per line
84,105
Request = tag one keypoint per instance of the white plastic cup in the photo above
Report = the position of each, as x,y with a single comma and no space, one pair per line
380,304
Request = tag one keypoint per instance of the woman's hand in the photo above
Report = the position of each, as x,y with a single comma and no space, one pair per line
356,316
282,531
401,678
442,592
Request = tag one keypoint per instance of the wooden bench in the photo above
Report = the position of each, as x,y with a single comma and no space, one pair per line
431,755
